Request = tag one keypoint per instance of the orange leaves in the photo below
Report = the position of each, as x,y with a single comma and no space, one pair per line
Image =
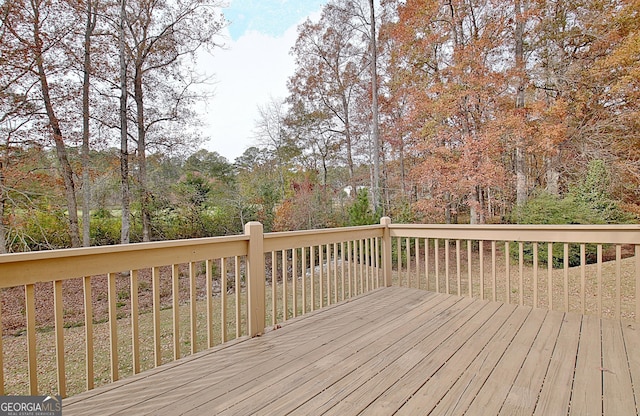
486,99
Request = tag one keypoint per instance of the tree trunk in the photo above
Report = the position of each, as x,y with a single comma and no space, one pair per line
86,187
347,138
325,171
3,203
61,150
474,207
385,180
142,155
482,216
473,214
447,208
124,148
374,114
521,161
521,175
553,175
403,175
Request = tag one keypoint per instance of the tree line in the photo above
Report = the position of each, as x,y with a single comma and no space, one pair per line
491,103
463,111
482,109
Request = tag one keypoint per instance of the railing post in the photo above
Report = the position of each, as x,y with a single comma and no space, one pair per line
386,251
255,278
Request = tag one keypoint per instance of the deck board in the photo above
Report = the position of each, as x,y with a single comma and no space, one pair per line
493,393
329,386
523,395
478,330
435,387
616,379
222,373
191,397
587,395
473,378
398,350
556,390
350,351
423,356
632,343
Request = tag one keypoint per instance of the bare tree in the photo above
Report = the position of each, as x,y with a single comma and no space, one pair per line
521,166
271,133
124,137
90,26
329,56
374,112
161,36
41,28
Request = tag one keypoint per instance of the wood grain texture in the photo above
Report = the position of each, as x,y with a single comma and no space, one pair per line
397,350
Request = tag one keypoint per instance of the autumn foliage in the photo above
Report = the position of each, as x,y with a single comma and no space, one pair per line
471,83
487,110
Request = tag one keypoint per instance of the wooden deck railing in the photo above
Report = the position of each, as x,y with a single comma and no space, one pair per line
177,297
305,271
549,266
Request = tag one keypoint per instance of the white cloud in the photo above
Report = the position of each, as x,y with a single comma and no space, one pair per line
250,71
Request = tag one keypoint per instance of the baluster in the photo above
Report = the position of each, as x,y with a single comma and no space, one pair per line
312,257
550,274
304,280
458,269
113,325
88,335
599,271
135,325
155,288
469,265
481,256
209,287
521,272
285,296
193,307
507,261
446,265
175,284
294,280
223,300
566,277
59,336
618,278
30,311
238,288
535,275
583,277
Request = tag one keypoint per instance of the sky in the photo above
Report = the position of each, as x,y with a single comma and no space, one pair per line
252,69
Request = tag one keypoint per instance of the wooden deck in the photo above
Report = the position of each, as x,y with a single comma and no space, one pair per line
399,351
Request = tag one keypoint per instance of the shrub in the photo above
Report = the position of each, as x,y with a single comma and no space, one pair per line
557,254
593,193
360,212
46,230
589,202
105,228
549,209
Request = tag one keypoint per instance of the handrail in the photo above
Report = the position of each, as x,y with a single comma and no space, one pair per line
433,256
605,234
285,240
47,266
